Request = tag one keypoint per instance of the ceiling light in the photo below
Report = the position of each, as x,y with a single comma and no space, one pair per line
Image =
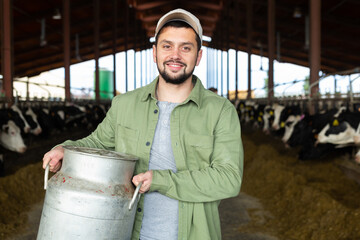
43,41
297,13
57,14
206,38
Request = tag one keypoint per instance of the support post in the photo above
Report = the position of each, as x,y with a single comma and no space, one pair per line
126,44
96,48
271,42
7,49
66,40
315,44
114,44
237,23
249,42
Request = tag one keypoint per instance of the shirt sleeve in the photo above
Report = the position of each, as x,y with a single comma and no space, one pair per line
221,179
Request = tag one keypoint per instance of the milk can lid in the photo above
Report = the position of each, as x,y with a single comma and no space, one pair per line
102,153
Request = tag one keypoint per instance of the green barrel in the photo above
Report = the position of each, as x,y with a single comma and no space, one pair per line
106,83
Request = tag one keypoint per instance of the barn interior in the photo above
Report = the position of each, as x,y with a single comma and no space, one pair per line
281,197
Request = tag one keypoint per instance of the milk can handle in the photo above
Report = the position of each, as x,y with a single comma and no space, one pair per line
46,175
136,193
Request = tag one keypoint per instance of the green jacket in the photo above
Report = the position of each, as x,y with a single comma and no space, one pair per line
207,146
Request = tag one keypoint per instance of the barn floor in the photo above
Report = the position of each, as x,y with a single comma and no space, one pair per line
281,197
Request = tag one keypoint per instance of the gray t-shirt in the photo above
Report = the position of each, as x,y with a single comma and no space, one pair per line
160,220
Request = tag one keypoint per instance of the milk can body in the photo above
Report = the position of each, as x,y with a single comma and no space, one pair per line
89,197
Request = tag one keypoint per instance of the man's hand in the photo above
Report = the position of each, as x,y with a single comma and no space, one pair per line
54,156
145,178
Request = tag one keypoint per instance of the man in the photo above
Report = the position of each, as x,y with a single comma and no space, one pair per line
186,137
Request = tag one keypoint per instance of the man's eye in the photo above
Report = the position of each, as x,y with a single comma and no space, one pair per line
186,49
166,46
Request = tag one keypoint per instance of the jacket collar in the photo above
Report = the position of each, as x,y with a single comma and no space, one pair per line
195,95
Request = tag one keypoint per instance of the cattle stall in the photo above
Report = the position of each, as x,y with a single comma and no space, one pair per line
278,191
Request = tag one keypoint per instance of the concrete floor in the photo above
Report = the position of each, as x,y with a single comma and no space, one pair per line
233,213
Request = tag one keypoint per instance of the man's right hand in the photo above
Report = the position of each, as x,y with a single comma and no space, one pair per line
54,157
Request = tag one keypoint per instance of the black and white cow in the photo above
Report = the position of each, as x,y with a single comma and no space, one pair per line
74,115
258,115
10,133
278,109
343,129
290,124
95,113
32,120
20,120
10,137
268,119
305,131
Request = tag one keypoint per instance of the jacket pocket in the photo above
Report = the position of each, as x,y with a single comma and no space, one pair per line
199,150
126,140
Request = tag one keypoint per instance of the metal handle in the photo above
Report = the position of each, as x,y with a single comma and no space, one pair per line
136,193
46,175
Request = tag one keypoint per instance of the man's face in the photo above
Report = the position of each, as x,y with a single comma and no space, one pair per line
176,54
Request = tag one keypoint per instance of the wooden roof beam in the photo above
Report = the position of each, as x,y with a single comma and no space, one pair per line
212,6
149,18
148,5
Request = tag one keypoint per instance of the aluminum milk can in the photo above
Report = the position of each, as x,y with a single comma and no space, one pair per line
91,197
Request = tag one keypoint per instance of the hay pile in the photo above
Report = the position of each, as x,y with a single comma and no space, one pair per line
18,193
306,200
290,199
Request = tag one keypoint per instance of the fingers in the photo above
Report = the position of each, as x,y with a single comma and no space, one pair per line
56,167
145,178
53,158
46,160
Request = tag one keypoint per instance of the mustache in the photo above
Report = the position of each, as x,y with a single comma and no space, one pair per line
172,61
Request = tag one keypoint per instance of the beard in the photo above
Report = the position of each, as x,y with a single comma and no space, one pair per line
178,79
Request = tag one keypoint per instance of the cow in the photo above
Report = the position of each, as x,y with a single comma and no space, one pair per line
277,108
240,108
95,114
305,133
44,120
258,115
57,116
267,118
342,130
74,115
290,123
20,120
32,120
281,115
10,137
10,132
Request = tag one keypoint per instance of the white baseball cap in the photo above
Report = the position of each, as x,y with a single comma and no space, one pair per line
180,15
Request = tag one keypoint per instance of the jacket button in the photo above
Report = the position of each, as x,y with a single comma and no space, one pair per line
155,111
139,209
147,143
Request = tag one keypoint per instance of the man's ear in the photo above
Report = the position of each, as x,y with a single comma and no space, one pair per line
154,53
199,57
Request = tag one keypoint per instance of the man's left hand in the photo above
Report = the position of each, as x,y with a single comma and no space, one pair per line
145,178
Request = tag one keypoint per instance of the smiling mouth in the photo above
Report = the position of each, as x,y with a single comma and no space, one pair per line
174,65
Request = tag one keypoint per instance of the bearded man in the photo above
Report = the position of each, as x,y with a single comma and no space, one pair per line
187,139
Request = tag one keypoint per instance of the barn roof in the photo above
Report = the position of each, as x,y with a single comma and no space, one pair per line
38,36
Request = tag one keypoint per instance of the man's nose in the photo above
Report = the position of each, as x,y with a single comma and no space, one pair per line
175,54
